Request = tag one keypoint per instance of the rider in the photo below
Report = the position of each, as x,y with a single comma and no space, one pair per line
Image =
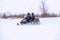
28,18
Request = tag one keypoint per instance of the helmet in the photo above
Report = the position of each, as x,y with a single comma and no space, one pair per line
28,13
32,13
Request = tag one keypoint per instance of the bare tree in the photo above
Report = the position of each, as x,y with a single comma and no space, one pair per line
43,6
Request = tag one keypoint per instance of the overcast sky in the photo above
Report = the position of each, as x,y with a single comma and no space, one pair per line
24,6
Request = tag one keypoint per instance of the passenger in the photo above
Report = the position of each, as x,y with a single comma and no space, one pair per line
33,17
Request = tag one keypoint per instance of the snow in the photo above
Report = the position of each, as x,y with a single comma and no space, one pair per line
48,29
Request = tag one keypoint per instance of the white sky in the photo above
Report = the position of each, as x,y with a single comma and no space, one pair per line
24,6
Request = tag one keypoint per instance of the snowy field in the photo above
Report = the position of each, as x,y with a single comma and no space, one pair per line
48,29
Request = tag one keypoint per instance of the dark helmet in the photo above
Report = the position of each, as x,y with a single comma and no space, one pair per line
32,13
28,13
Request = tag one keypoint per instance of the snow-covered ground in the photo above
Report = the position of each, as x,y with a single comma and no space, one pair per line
48,29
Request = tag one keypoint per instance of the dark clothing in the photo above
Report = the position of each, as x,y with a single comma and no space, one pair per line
28,18
33,17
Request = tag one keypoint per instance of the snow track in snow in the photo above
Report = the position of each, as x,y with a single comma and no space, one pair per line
49,29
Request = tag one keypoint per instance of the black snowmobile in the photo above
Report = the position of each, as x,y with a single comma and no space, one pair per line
24,21
30,19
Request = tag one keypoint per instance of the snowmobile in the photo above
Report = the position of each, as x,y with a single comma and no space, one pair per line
36,21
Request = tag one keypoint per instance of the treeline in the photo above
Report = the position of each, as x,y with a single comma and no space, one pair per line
23,15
